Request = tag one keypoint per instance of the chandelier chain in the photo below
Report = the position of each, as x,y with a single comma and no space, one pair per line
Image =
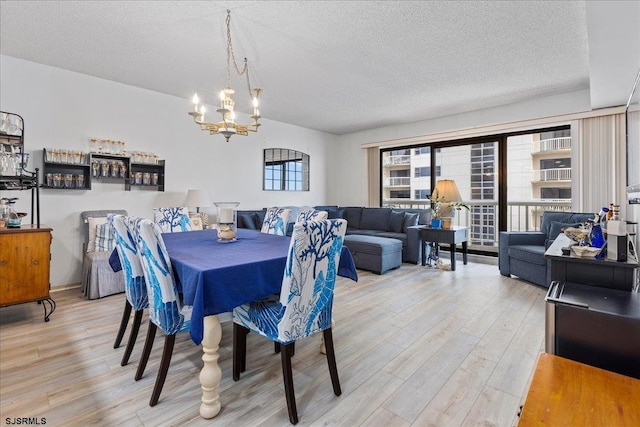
230,54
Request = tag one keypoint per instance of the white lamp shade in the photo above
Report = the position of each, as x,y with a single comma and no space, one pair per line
197,198
447,191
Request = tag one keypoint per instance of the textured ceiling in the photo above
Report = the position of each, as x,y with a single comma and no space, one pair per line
334,66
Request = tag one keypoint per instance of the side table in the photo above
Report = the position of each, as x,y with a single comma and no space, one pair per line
451,236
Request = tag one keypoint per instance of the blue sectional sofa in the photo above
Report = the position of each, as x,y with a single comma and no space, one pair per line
393,223
522,253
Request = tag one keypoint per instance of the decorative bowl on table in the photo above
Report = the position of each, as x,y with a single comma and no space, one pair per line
585,251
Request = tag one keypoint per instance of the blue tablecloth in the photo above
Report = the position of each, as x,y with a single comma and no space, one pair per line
215,277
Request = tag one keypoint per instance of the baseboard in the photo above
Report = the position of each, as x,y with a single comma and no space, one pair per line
64,287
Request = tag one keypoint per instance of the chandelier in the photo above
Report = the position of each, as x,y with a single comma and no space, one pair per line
228,126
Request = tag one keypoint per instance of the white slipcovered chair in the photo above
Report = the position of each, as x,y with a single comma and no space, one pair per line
98,278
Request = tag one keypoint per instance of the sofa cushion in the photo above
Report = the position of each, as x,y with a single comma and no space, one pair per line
249,221
352,215
396,220
391,235
362,232
410,219
568,217
336,214
529,253
326,207
372,244
556,228
375,219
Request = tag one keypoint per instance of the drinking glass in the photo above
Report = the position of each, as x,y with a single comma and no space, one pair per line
57,180
79,181
104,169
68,180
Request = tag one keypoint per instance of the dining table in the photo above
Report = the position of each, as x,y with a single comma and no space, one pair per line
216,276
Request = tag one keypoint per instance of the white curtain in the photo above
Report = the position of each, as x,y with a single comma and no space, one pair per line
373,172
598,149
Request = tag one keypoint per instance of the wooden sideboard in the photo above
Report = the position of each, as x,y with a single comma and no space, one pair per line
568,393
25,258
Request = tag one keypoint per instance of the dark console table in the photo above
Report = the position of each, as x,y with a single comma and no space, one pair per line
451,236
621,275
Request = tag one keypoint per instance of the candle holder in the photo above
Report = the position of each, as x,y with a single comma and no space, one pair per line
227,221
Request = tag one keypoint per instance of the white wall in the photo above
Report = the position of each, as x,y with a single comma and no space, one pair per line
350,158
64,109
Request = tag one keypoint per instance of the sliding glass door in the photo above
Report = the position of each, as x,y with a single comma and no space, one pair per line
506,180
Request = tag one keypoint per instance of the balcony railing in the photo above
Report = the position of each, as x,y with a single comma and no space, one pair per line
558,174
398,181
397,160
482,218
553,144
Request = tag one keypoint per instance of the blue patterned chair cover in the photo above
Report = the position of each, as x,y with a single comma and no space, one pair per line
306,296
172,219
275,221
165,308
311,215
127,248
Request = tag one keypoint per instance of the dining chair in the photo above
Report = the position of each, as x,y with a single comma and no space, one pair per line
275,221
311,214
166,310
135,287
304,306
172,219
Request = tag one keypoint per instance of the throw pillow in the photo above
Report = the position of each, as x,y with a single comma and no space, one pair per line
105,238
93,223
396,221
556,228
410,219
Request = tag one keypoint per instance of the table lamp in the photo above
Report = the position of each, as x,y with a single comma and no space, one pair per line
198,199
445,193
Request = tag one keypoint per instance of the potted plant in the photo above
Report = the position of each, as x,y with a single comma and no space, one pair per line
443,211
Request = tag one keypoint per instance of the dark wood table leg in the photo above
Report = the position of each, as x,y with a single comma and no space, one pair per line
464,252
453,257
423,243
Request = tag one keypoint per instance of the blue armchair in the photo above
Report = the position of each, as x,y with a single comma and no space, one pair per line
522,253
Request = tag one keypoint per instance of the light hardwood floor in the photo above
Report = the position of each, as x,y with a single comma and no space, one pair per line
416,346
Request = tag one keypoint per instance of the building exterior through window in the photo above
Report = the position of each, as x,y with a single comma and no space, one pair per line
537,178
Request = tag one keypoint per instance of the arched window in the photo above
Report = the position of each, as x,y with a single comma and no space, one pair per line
285,170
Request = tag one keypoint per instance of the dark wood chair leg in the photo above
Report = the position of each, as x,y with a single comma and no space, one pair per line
287,375
331,360
146,351
239,350
123,323
133,335
169,341
276,348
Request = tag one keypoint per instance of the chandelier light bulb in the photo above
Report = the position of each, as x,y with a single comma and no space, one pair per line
255,102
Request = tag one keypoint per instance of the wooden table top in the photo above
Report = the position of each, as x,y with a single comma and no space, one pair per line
568,393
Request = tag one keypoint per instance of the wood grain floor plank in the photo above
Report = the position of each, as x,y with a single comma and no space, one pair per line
415,346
